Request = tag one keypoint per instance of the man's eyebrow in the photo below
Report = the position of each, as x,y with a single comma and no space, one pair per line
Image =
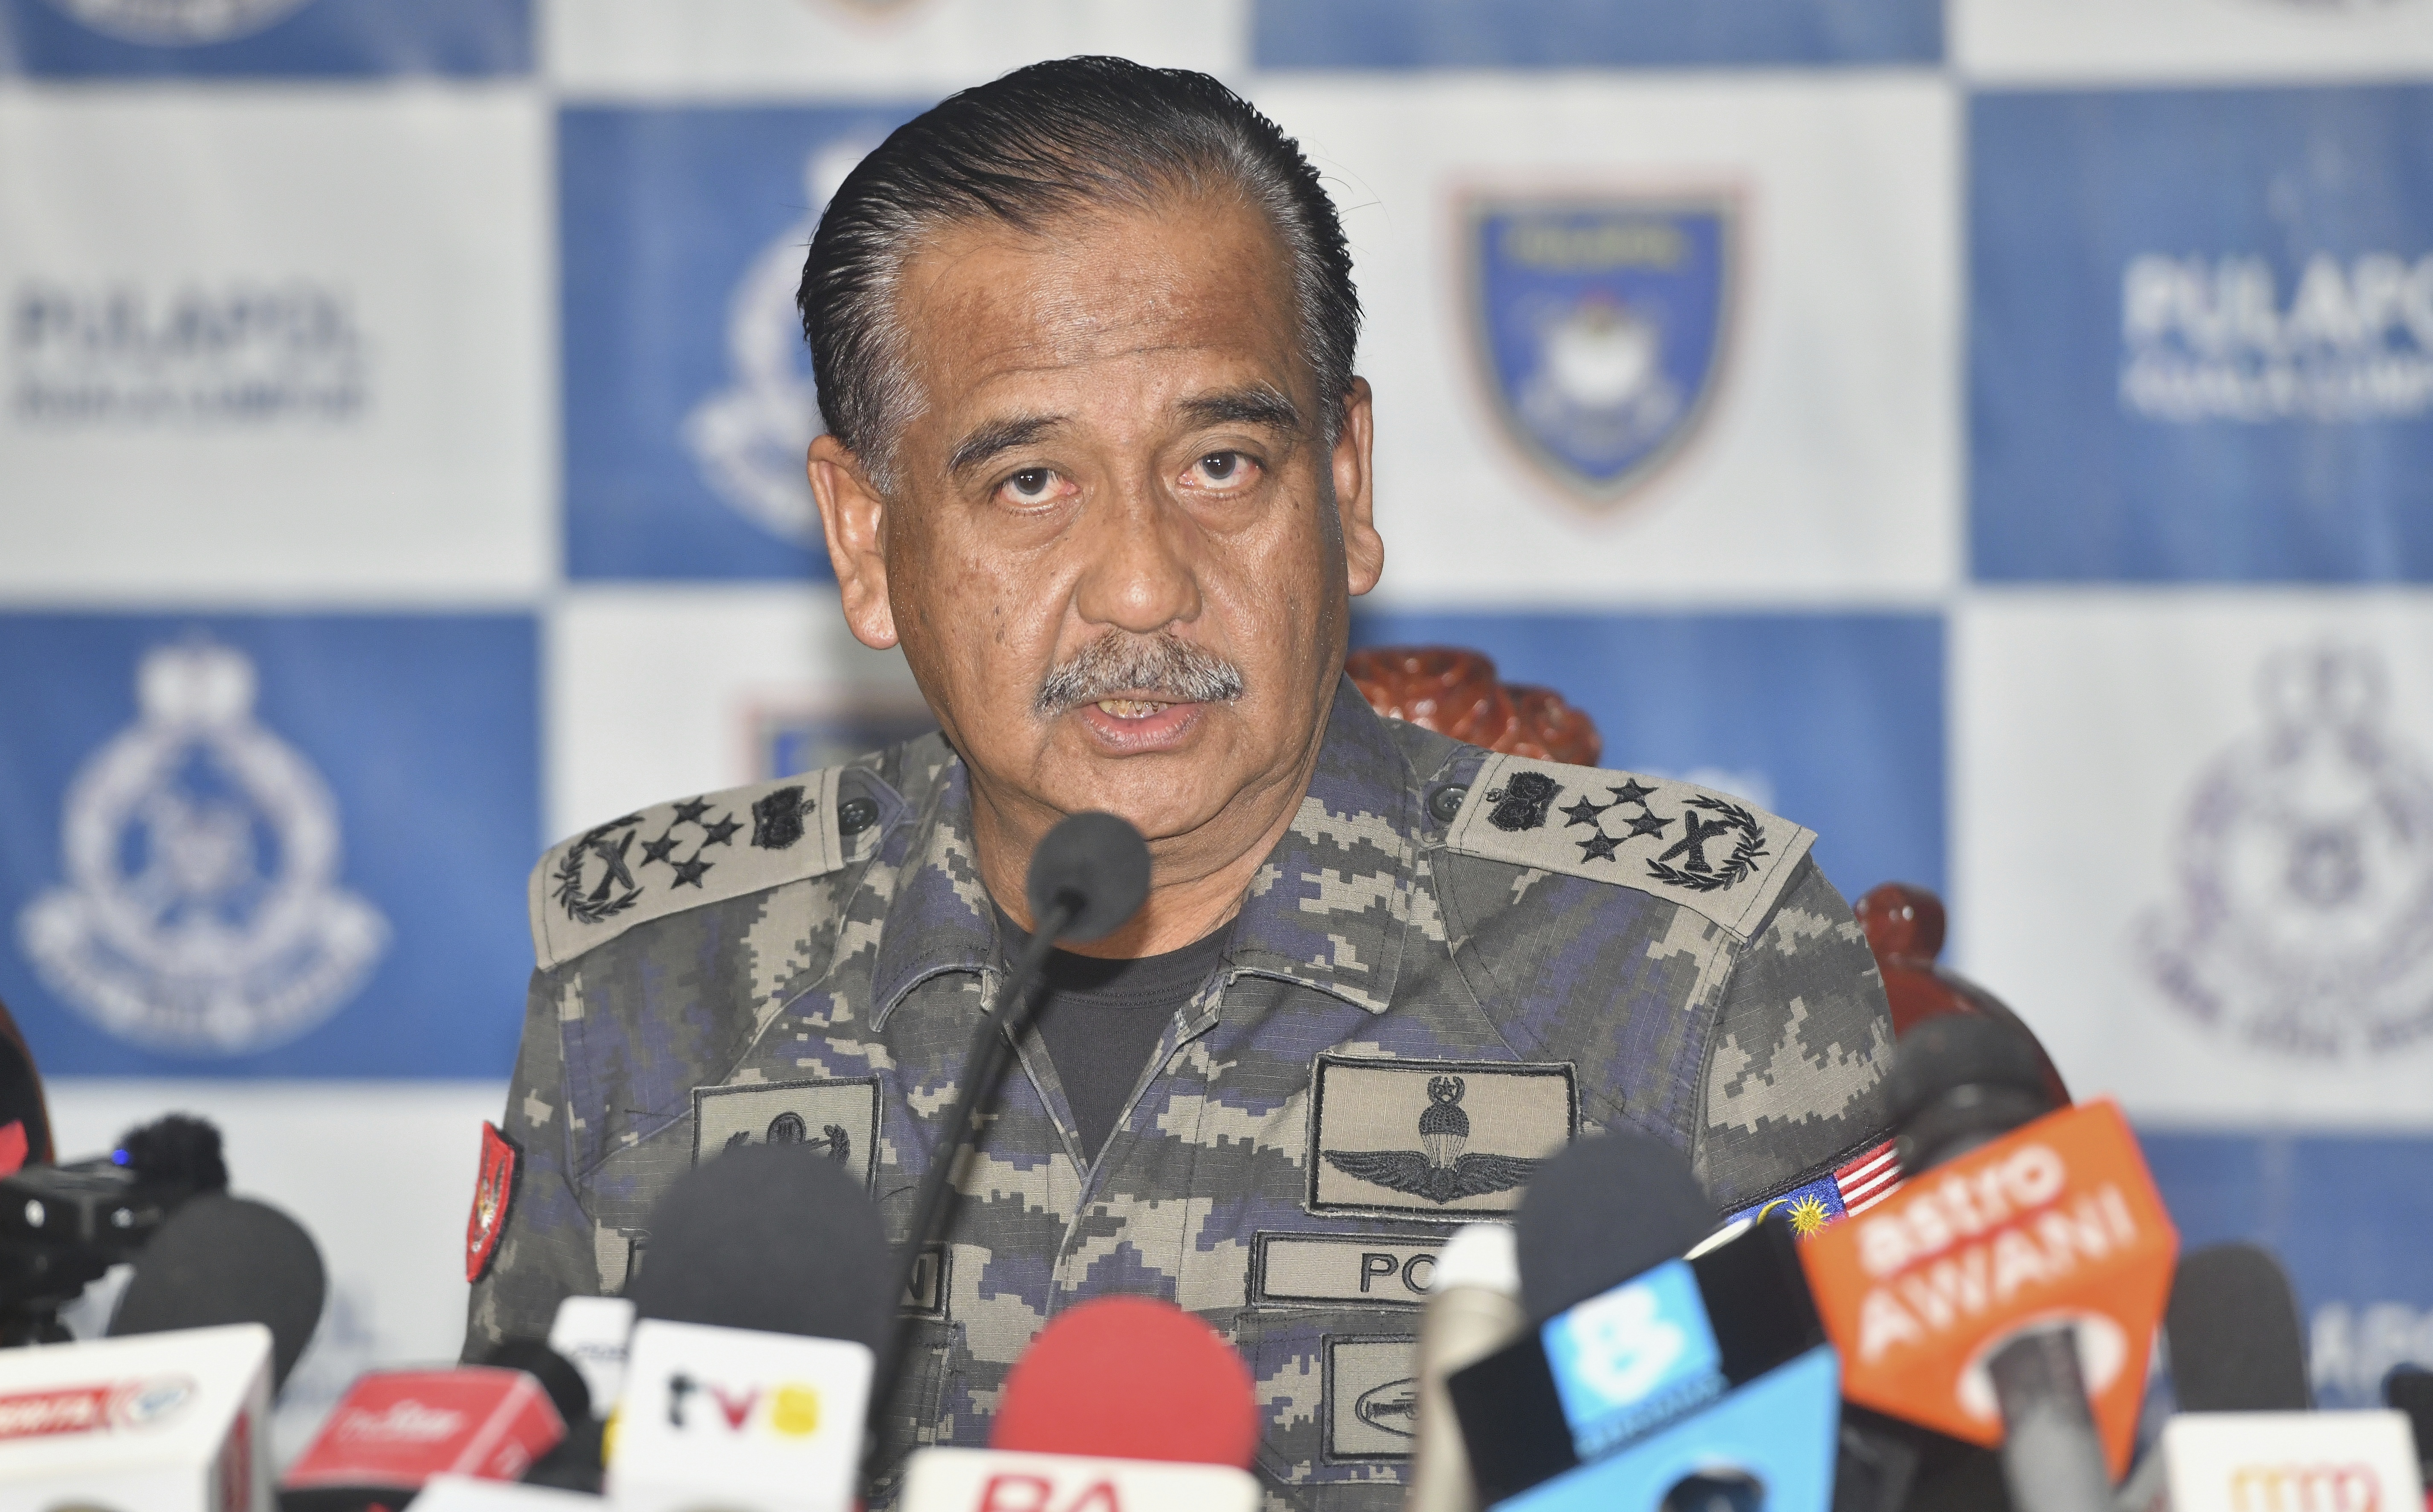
1257,404
999,437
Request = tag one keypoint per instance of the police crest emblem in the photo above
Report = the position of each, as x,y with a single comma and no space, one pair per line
201,913
748,438
178,22
1598,326
2305,917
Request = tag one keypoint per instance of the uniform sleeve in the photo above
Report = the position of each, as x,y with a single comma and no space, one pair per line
1795,1076
545,1250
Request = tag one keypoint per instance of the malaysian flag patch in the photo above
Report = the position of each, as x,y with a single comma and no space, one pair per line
1854,1186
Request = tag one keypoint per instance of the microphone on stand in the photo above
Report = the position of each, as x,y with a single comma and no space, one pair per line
1087,878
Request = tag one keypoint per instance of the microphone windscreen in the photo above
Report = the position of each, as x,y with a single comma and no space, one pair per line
1601,1212
2408,1389
568,1392
773,1237
222,1259
2237,1342
1130,1377
1961,1050
1096,859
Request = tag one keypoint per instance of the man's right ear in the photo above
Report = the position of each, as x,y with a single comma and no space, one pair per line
852,516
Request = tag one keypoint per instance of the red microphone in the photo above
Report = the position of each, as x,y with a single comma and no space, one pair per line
1121,1402
395,1430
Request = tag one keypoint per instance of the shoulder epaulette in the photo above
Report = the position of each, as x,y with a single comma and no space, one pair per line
676,855
1705,851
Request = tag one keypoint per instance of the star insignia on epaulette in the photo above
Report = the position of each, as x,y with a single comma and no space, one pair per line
658,850
1441,1171
723,832
1600,847
1583,812
689,874
690,810
1631,791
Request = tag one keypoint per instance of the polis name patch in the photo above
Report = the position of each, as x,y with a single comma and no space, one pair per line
839,1119
1438,1139
672,857
1342,1267
1372,1397
1707,851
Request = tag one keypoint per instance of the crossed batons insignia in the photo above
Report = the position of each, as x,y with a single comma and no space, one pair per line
1696,831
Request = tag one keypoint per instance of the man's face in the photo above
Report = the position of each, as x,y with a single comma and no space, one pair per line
1114,555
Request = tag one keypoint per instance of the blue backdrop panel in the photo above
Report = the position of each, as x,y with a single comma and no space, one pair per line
2351,1219
2202,334
689,397
1590,33
1834,720
230,820
265,38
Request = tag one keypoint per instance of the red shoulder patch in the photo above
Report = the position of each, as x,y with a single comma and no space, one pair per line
492,1191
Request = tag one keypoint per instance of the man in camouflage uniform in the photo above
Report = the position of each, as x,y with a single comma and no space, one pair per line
1115,528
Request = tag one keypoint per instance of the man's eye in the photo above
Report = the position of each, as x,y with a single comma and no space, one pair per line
1032,485
1223,467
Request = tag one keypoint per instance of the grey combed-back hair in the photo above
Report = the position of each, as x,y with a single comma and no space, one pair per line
1052,140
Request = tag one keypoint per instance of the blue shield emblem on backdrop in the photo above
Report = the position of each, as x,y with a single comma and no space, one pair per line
1599,324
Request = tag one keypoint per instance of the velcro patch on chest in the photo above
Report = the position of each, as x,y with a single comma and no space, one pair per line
1342,1267
839,1119
672,857
1707,851
1434,1138
1373,1397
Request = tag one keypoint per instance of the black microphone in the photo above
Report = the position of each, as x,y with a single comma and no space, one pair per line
574,1464
2408,1389
776,1238
1959,1083
1087,878
2237,1342
222,1259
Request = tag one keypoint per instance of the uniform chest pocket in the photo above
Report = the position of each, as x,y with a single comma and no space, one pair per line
1338,1396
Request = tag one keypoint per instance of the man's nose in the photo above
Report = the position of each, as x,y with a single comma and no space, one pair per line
1139,575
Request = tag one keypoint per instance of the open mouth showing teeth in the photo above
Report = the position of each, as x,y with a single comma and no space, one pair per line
1129,708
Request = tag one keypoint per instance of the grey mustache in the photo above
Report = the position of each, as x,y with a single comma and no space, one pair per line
1118,663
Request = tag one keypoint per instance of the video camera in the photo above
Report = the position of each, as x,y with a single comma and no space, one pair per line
62,1226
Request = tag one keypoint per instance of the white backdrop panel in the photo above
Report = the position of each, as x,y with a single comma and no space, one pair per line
2194,844
1825,465
380,1173
847,48
290,343
2083,42
655,693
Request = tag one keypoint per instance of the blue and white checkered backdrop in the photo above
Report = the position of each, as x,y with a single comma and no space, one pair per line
1996,434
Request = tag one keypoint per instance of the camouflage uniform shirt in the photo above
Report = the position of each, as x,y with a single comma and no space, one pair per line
1453,963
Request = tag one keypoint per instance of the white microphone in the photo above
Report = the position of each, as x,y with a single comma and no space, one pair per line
1473,1309
176,1422
738,1419
592,1333
2318,1461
